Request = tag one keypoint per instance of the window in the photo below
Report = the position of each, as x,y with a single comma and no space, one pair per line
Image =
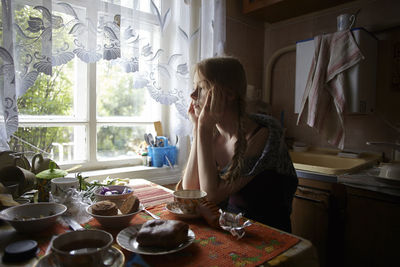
94,114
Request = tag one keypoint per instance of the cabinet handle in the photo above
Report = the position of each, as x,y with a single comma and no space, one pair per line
309,199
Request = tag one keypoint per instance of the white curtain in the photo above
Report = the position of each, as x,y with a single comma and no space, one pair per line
155,41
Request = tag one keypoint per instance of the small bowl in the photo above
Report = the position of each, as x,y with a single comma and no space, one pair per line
189,199
115,221
118,199
33,217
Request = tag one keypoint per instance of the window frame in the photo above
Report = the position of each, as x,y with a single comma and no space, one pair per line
90,121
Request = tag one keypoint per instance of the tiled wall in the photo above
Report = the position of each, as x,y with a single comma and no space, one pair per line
382,17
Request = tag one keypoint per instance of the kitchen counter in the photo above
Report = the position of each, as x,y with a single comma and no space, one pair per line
331,161
317,176
365,179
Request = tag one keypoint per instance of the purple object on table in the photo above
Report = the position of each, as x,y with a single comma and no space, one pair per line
107,191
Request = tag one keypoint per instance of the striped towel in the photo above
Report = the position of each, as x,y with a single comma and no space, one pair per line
324,92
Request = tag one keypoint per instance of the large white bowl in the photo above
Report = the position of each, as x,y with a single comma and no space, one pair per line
33,217
115,221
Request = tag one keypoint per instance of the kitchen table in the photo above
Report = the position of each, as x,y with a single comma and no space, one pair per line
261,245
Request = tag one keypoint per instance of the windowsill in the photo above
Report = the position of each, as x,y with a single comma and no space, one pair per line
163,175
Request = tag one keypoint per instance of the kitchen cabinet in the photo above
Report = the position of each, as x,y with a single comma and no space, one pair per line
348,226
276,10
372,230
318,216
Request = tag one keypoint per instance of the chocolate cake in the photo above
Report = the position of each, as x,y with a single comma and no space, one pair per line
105,208
162,233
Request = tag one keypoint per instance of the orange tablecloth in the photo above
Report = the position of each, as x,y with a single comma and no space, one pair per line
212,247
151,194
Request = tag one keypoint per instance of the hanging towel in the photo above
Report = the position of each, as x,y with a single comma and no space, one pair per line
324,92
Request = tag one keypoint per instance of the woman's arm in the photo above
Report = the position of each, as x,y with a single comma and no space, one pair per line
217,189
208,172
207,169
210,182
190,179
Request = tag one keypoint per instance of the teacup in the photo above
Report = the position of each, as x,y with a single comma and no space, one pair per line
189,199
59,186
84,248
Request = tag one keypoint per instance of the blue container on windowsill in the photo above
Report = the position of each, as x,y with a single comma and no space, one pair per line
159,154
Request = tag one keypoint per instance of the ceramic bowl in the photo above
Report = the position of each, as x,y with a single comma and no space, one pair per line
116,221
86,247
189,199
33,217
390,170
118,199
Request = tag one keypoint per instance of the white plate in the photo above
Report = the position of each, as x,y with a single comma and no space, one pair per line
49,259
173,207
127,239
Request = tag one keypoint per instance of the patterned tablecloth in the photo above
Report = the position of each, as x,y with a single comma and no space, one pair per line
212,247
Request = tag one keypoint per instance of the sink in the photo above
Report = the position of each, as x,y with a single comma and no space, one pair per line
326,161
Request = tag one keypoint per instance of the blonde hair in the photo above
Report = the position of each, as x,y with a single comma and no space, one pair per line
227,75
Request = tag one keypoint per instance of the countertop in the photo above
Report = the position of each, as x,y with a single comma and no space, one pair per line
365,179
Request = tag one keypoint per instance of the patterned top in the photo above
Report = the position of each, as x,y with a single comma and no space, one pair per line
267,198
275,155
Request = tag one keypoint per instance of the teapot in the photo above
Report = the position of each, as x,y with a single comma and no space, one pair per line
39,163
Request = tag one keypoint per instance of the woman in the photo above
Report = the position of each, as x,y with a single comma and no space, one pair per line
238,159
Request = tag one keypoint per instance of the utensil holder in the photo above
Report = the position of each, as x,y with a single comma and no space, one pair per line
158,155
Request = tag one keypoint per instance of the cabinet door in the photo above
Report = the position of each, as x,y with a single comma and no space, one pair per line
372,232
310,218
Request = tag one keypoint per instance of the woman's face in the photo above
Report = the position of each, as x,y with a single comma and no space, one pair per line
199,93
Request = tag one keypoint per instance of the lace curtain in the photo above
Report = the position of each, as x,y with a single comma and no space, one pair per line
156,41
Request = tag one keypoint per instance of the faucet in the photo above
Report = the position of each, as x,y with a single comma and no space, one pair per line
394,146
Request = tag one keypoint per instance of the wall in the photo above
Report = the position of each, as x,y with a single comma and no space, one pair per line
245,40
380,17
